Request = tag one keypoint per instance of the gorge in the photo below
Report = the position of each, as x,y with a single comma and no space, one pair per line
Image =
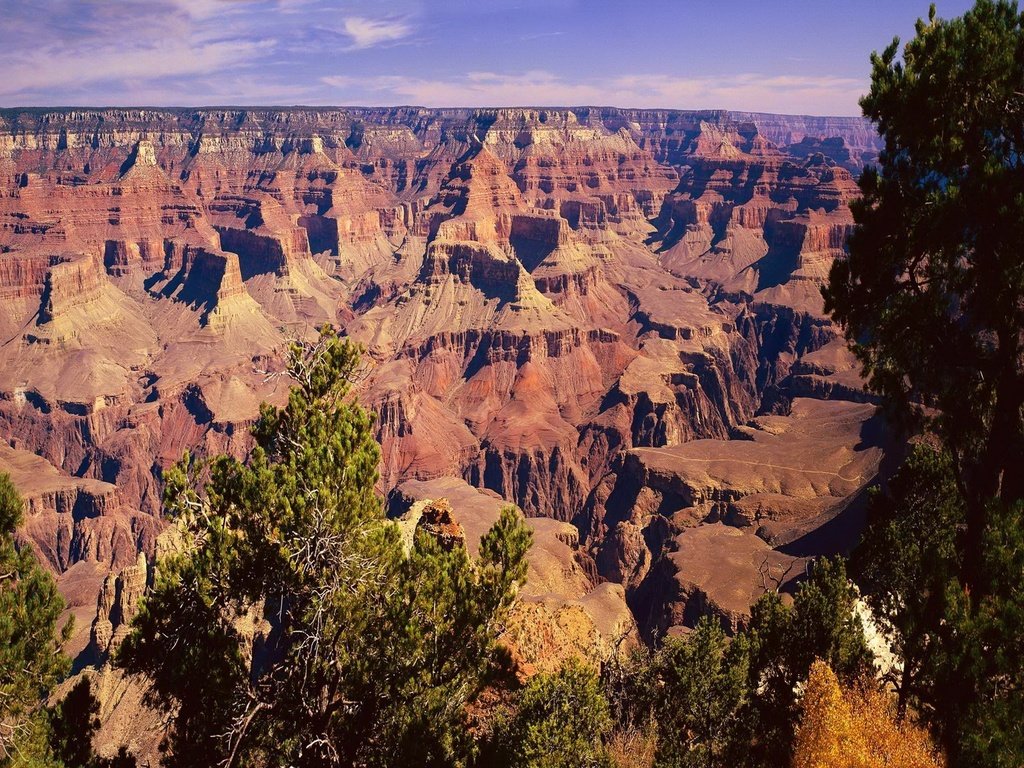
609,317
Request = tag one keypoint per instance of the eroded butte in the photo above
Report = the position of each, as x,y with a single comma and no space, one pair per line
610,318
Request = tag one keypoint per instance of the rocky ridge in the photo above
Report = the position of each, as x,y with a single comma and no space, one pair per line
577,310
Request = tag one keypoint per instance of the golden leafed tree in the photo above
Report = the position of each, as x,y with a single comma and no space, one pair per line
827,737
856,727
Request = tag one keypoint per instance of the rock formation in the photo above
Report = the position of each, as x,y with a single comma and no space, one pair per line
610,318
118,603
562,613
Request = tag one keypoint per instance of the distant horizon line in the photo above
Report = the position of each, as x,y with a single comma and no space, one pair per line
357,107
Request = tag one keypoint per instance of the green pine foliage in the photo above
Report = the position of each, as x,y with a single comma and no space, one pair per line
906,562
701,696
824,625
932,294
978,690
995,649
560,720
292,627
31,660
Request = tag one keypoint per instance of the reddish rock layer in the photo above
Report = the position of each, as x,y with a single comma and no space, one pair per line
543,295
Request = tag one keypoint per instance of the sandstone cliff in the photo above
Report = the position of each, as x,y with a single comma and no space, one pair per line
573,309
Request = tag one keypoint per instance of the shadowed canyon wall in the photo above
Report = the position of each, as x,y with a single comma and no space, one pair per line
611,318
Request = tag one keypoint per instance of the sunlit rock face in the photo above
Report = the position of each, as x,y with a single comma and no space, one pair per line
572,309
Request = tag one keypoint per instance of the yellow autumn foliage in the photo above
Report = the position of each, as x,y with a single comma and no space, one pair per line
856,727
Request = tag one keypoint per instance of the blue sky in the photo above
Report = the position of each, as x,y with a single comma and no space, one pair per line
789,56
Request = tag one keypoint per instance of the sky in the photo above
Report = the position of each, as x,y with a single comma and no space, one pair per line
783,56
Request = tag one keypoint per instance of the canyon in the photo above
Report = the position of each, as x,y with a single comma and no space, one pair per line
610,318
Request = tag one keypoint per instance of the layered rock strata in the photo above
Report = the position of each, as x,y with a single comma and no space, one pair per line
568,308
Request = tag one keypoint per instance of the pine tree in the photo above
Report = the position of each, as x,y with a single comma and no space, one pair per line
825,624
560,720
700,699
905,563
932,294
292,627
979,686
31,659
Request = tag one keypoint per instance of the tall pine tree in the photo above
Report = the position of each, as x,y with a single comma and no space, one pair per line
31,659
932,300
932,294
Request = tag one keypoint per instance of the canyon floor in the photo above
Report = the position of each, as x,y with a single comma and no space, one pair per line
610,318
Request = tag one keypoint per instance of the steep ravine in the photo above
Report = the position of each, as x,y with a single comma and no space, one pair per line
573,309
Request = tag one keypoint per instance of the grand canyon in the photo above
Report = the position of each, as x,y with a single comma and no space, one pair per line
454,428
611,318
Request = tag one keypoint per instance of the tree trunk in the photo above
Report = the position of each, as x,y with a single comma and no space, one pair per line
996,476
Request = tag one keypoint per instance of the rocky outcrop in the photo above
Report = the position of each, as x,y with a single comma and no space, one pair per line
207,280
561,614
436,520
78,303
560,307
785,487
118,602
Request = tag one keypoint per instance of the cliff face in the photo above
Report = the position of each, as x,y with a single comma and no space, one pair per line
859,137
546,296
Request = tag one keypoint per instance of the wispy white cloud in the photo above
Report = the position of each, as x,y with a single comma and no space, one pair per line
102,52
367,33
751,91
204,9
285,51
50,68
